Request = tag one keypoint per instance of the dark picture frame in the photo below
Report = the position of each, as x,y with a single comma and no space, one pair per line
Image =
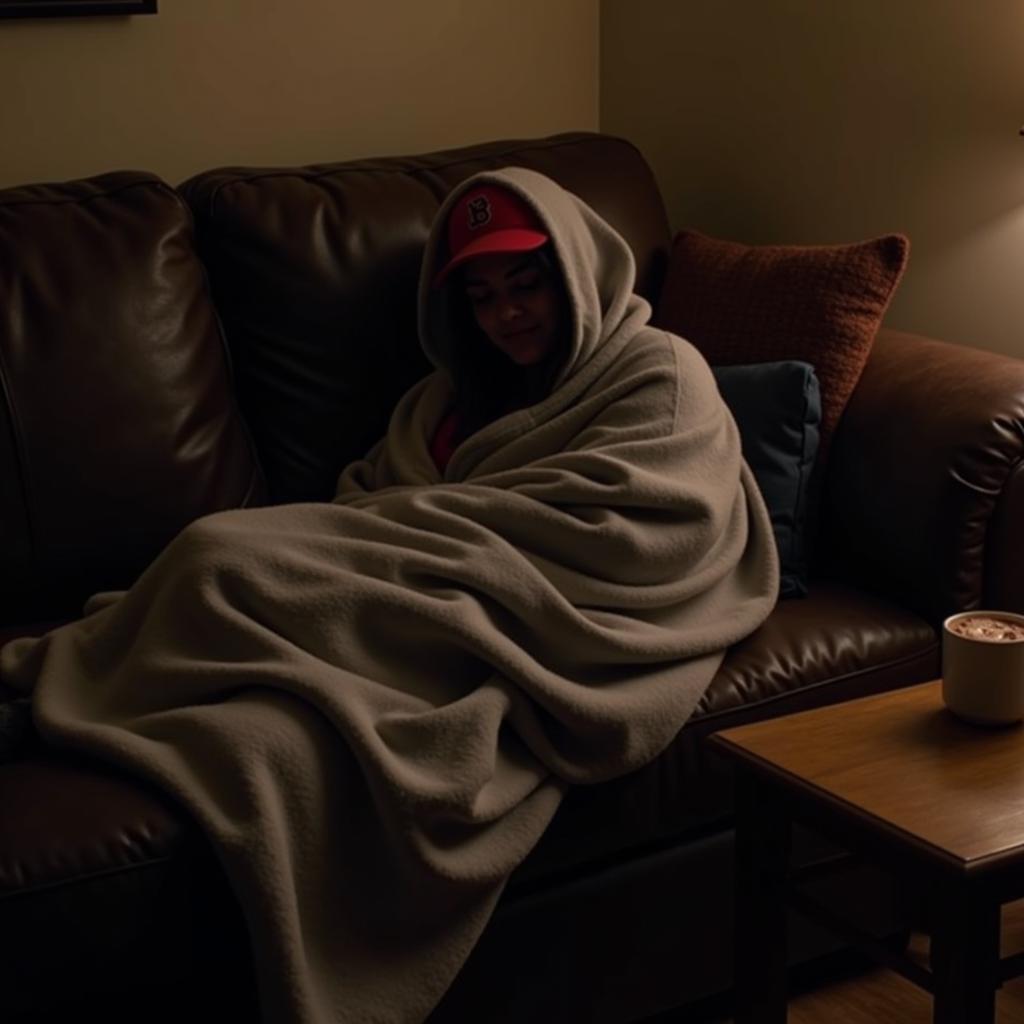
73,8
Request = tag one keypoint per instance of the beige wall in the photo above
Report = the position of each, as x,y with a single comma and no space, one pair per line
212,82
818,121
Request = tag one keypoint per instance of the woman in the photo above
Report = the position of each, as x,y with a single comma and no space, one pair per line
503,289
374,706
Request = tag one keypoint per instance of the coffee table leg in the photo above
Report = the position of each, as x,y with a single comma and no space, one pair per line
762,862
965,956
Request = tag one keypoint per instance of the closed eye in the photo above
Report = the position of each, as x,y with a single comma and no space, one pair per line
528,281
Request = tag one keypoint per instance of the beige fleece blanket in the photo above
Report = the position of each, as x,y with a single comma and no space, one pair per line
374,706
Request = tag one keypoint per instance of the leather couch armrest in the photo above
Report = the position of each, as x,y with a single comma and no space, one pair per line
922,498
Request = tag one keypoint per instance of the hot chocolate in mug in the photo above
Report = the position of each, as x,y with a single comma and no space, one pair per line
983,666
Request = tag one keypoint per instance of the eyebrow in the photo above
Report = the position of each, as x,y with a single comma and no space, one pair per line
518,268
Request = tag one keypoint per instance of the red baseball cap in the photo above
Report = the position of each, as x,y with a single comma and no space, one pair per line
487,219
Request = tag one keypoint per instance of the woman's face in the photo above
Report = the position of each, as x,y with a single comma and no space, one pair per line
518,304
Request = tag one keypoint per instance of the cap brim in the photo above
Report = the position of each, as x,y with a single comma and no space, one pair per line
510,240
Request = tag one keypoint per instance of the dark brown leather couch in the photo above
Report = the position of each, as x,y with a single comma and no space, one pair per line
169,352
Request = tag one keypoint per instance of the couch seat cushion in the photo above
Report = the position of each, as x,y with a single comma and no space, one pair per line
109,896
80,839
834,645
64,819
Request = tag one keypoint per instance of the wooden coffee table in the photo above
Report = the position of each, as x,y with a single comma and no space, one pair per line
899,780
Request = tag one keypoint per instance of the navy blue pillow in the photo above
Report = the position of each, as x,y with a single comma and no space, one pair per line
777,407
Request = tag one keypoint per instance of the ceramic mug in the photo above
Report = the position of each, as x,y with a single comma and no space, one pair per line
983,666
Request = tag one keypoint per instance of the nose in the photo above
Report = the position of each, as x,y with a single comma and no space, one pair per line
509,309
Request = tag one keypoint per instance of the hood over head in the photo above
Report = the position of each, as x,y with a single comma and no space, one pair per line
594,261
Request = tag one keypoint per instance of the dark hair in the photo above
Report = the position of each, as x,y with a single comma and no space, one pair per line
487,383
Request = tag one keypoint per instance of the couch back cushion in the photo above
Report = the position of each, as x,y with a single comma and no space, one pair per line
117,425
314,272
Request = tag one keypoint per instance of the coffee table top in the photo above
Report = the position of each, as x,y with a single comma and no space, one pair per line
901,761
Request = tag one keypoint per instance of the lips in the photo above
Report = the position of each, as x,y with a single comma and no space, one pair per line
512,335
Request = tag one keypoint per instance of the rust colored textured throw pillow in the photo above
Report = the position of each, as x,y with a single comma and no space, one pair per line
761,303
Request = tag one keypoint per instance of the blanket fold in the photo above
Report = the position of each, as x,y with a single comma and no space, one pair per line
373,706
